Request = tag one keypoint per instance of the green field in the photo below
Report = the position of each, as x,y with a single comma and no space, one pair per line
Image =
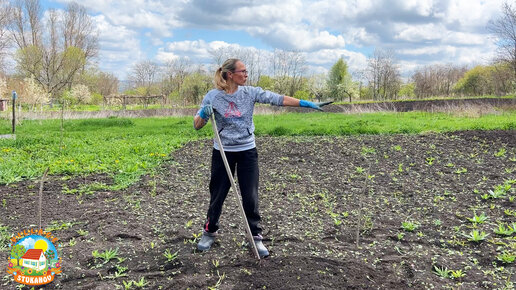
128,148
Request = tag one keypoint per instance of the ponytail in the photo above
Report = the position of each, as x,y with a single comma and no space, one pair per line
220,78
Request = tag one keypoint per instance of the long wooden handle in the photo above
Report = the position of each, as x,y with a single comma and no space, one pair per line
233,185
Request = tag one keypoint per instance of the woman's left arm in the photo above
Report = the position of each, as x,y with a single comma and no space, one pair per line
293,102
290,102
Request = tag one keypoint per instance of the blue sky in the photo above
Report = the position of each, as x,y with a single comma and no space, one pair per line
419,32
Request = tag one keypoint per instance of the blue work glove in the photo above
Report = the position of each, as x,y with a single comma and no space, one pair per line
206,112
316,106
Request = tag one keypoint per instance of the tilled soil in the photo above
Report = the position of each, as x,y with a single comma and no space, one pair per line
332,212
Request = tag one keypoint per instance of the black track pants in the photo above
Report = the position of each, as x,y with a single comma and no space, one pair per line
246,163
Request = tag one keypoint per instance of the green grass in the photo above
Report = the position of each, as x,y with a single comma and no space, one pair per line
125,148
377,123
128,148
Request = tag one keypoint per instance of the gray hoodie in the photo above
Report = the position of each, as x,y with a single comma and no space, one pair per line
234,115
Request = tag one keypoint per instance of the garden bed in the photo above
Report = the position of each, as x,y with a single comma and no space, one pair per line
415,201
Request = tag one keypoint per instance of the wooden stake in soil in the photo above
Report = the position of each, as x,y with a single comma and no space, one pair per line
233,185
41,194
359,222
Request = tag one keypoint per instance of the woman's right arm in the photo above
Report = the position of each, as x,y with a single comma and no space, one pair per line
203,115
199,122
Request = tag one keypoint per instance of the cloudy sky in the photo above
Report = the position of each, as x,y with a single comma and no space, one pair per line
419,32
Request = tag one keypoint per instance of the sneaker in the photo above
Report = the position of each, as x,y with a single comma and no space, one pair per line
262,250
206,241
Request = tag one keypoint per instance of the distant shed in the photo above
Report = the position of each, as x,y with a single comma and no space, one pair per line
3,105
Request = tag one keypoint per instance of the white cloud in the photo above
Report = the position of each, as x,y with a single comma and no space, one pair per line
298,38
419,31
28,243
430,50
327,58
119,47
196,50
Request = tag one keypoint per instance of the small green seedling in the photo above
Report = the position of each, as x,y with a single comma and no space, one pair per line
107,255
478,219
442,272
476,236
506,257
504,231
409,226
170,256
457,274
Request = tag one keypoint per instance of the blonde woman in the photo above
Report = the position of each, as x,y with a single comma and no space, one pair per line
232,104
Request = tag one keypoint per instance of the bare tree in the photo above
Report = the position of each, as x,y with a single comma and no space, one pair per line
5,19
26,24
437,80
144,74
318,85
502,75
107,84
48,50
288,68
383,75
173,75
252,58
504,28
79,30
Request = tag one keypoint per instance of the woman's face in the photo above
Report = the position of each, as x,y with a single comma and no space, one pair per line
239,75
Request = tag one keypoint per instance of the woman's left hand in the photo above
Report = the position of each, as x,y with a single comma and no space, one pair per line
316,106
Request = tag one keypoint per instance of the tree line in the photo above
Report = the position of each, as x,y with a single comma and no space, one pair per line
55,60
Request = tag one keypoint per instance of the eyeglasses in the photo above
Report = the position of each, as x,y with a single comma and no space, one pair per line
242,71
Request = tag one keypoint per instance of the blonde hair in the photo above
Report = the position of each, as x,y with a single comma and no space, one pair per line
220,79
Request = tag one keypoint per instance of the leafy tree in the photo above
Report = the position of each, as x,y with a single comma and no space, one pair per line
99,82
303,95
407,90
17,252
476,82
266,82
340,82
50,254
194,87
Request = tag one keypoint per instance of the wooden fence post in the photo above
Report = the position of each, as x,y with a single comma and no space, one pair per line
14,111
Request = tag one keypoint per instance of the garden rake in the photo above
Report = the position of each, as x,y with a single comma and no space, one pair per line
233,185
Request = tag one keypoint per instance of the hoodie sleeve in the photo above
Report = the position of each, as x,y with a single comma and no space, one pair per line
208,98
266,97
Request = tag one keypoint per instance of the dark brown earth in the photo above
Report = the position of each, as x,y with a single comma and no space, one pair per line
314,198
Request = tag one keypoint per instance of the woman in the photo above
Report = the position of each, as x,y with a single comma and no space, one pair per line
233,105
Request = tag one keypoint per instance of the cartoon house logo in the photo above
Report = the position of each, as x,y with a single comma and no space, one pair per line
34,259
